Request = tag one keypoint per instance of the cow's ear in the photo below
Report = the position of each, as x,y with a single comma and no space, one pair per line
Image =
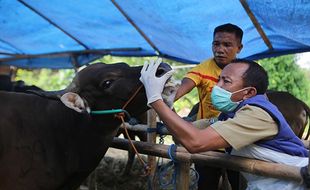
74,101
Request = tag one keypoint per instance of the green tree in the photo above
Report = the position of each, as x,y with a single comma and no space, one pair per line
285,75
46,79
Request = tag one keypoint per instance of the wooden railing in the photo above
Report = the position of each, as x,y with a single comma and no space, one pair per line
210,158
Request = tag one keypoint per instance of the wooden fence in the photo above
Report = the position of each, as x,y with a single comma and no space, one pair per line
210,158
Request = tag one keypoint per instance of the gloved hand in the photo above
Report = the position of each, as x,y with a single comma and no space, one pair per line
153,85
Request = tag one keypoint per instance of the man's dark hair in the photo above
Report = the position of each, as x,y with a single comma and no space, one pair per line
230,28
255,75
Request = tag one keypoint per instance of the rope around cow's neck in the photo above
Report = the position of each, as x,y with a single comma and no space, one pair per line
102,112
120,113
99,112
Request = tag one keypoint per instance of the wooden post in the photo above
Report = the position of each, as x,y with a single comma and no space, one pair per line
183,176
151,138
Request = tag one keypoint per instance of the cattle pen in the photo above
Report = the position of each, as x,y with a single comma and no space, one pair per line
210,158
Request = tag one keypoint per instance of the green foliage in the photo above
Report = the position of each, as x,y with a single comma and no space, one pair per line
286,75
46,79
190,99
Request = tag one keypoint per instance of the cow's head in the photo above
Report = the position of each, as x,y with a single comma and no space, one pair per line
108,86
104,87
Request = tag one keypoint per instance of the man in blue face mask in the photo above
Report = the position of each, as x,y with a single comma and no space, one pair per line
221,99
249,124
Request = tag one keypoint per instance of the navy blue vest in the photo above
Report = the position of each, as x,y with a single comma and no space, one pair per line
285,141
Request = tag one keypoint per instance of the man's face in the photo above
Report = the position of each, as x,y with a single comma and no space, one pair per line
225,47
231,79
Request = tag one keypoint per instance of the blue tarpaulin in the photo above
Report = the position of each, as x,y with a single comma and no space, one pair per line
67,33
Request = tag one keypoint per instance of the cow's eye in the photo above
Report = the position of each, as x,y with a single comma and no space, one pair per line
106,84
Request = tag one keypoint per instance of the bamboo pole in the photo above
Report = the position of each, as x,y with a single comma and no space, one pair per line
151,138
222,160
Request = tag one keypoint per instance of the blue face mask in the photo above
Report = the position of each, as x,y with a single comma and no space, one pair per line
221,99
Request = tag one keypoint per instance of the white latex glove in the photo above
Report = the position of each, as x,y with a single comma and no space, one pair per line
153,85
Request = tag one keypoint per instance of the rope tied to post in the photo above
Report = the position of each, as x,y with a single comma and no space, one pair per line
172,152
160,129
167,173
146,167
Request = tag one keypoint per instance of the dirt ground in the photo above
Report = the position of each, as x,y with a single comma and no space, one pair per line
109,174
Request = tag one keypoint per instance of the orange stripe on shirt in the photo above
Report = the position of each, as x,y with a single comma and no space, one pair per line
205,76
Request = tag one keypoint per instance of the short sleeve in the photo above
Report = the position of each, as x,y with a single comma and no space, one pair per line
249,125
194,74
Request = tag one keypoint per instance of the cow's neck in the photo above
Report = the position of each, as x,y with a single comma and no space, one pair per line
94,136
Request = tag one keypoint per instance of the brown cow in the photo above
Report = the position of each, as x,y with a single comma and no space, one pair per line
295,111
56,143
